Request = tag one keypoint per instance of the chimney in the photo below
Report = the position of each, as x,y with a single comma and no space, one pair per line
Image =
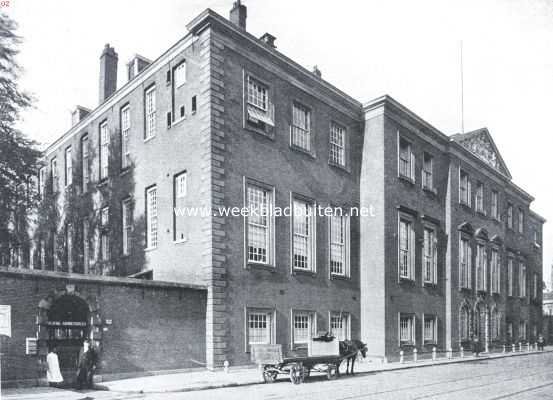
78,114
317,72
108,73
238,14
268,39
136,65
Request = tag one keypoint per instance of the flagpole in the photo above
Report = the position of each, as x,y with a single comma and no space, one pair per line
462,92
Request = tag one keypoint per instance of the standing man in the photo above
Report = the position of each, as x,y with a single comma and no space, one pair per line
541,342
92,364
53,373
82,372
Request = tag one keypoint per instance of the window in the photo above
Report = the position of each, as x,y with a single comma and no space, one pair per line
481,267
406,160
182,112
104,234
510,216
125,136
84,162
127,225
303,241
41,181
495,272
259,110
479,197
522,330
427,171
465,263
464,327
260,327
510,276
510,330
339,245
259,222
303,326
69,243
301,127
179,203
406,329
150,112
520,220
495,205
406,247
86,250
151,217
464,188
430,256
340,325
535,287
68,167
194,105
337,144
522,280
180,74
430,329
495,324
55,176
104,150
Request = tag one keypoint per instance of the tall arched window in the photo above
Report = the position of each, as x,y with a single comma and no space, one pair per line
463,323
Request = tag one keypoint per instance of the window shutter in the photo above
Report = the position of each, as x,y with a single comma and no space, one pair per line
413,166
435,259
412,251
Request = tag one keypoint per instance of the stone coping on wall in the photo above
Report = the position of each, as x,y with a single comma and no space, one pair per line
105,280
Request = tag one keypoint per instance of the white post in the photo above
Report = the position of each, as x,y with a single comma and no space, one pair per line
433,353
450,353
520,347
504,349
528,347
462,352
401,357
513,348
415,351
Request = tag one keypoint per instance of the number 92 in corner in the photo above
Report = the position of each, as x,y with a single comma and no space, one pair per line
4,3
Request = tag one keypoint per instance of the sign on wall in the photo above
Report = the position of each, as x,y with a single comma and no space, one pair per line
5,320
31,346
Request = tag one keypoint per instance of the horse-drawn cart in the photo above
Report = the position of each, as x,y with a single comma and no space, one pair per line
322,357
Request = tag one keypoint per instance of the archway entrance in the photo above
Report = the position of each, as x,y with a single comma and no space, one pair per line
481,324
68,327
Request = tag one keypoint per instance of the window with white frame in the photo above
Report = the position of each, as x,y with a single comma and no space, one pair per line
340,325
84,163
464,323
464,188
495,204
303,326
104,234
150,112
510,276
495,271
180,74
259,109
104,150
260,326
406,247
41,181
510,216
54,173
430,255
427,171
127,225
301,126
337,144
481,267
465,263
68,167
125,136
406,329
303,238
259,200
520,220
339,244
180,190
430,329
522,280
406,160
479,197
151,217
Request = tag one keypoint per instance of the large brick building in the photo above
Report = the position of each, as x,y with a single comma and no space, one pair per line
450,247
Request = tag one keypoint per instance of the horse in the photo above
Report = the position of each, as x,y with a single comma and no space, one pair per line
351,348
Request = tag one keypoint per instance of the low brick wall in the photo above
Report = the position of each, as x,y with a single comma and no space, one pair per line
140,326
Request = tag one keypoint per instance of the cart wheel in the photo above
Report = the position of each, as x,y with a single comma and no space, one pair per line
331,372
269,376
296,374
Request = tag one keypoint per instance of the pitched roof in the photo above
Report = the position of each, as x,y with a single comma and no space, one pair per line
481,144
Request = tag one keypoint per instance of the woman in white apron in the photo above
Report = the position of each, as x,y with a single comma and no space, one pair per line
53,373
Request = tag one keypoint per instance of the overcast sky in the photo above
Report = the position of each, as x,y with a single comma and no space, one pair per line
408,49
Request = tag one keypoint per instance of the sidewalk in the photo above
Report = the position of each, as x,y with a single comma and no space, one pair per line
203,380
